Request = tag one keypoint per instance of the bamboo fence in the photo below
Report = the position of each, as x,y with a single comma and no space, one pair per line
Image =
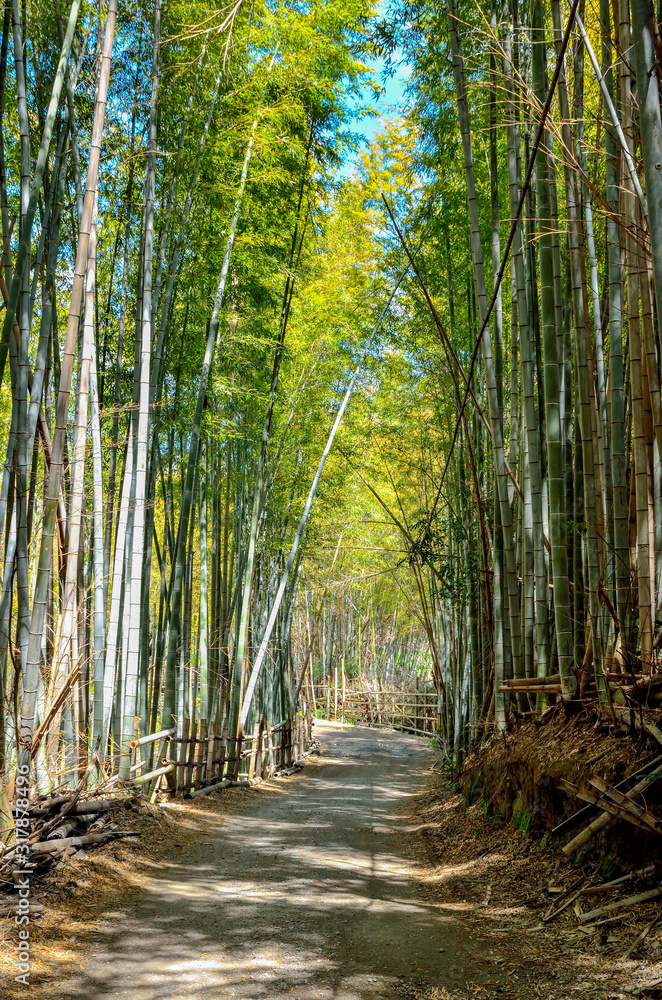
410,711
204,758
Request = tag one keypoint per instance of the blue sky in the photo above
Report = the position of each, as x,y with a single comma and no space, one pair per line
389,105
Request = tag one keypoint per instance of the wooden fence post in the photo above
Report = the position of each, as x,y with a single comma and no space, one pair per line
224,749
191,757
199,756
181,757
211,750
236,764
270,747
253,757
259,748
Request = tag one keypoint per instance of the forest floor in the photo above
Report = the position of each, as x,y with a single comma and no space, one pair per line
362,877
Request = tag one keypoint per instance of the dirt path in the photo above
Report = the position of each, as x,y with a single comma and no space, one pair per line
304,894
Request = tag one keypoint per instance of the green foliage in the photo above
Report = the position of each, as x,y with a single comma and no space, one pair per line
610,868
472,795
521,820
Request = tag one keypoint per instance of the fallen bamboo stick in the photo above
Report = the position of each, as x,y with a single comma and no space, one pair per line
225,783
152,774
596,890
646,770
60,846
33,909
640,938
564,906
87,805
641,897
633,720
639,811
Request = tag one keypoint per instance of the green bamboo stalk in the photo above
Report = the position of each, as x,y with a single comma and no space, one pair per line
496,418
132,663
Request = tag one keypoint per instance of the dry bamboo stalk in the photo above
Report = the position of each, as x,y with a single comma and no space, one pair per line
640,938
621,799
586,795
151,738
166,769
596,890
62,846
34,909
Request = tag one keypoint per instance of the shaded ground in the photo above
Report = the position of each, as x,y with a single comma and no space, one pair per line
305,891
360,878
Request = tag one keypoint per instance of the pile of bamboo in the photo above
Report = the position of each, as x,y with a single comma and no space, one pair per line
550,685
623,801
57,828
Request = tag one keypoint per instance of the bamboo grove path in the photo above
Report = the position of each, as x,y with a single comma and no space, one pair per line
306,894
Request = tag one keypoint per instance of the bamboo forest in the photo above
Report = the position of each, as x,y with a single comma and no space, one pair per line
331,499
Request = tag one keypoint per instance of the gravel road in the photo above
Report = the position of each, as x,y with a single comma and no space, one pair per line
306,894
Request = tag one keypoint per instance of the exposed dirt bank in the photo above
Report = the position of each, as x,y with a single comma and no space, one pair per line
516,778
